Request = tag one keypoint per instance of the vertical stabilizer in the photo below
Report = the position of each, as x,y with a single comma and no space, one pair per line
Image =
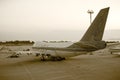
96,29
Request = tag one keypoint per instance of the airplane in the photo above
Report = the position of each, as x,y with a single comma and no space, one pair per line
91,41
115,51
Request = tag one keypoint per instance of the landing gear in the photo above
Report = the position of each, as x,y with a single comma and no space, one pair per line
57,58
45,57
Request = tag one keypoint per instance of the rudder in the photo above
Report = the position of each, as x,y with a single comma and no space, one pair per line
96,29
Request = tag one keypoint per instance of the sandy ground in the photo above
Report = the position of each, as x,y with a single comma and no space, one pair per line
100,66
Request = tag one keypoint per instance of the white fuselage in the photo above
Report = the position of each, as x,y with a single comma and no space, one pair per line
57,53
63,53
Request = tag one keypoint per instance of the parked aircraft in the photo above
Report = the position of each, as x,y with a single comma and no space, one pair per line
114,51
91,41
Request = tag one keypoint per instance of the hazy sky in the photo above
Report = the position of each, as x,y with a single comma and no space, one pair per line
40,19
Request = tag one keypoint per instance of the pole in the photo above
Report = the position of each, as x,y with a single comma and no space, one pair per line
90,12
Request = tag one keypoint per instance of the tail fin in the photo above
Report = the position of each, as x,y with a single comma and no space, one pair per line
96,29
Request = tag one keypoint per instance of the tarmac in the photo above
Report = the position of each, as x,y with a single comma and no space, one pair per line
100,66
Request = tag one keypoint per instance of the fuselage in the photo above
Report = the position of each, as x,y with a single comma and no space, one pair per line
57,53
60,49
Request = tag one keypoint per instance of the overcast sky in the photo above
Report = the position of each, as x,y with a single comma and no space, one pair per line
38,19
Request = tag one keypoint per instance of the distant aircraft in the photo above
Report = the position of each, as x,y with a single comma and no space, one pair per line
114,51
91,41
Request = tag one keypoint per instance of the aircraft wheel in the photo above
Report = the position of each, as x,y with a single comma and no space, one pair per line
63,58
43,57
58,58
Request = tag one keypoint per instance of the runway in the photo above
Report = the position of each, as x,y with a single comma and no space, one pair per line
83,67
99,66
